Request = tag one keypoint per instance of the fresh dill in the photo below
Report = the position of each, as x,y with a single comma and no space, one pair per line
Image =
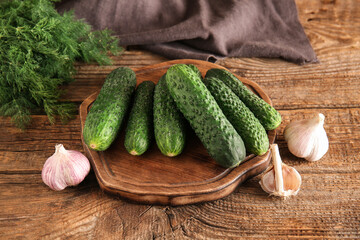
38,48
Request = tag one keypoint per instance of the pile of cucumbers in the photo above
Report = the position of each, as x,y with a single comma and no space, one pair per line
228,118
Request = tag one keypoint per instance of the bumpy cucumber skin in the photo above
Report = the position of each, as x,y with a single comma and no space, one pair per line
195,69
139,130
169,123
199,107
267,115
244,121
107,112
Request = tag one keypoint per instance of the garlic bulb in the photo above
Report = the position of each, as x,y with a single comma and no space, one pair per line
280,179
65,168
307,138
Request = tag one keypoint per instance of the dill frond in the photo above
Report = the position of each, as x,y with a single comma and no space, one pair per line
38,48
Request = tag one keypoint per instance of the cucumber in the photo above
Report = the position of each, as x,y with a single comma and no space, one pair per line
169,123
195,69
107,112
267,115
244,121
139,131
199,107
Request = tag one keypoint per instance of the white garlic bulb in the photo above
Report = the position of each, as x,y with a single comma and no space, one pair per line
280,179
307,138
65,168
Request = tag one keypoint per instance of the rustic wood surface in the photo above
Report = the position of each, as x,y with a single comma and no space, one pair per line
327,206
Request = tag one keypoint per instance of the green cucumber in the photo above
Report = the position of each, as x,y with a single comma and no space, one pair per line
195,69
107,112
244,121
139,131
199,107
169,123
267,115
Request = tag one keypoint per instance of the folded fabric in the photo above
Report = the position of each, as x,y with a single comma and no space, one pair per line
202,29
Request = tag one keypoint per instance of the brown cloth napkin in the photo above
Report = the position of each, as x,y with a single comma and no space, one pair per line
202,29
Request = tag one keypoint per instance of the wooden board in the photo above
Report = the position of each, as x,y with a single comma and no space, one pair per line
154,178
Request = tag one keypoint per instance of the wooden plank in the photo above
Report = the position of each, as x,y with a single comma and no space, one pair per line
335,79
84,212
90,77
81,213
325,85
28,150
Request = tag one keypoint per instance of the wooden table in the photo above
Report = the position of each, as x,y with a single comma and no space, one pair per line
327,206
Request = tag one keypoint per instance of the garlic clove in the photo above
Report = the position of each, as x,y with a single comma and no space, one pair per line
64,168
280,179
292,179
307,138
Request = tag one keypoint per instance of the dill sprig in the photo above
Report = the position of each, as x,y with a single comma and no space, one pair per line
38,48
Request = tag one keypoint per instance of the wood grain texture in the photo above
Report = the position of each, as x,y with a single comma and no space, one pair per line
327,206
89,78
153,178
